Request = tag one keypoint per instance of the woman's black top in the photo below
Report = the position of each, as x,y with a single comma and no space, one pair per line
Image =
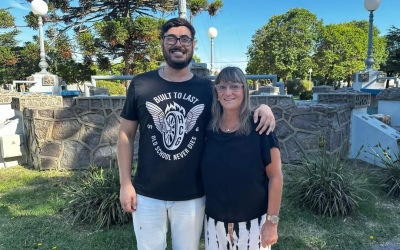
234,177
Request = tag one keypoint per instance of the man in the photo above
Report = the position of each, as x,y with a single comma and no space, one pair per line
172,107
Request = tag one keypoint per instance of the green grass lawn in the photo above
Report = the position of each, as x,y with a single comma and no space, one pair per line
31,217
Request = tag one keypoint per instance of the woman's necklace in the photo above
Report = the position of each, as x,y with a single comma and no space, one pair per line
169,79
229,130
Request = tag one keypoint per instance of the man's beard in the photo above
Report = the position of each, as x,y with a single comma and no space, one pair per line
177,64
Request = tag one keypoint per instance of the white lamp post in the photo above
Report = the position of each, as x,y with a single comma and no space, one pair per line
371,6
310,71
182,8
40,8
212,33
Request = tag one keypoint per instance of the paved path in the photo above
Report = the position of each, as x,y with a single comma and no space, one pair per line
388,246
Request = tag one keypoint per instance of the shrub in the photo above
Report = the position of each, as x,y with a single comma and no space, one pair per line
306,95
94,198
389,175
308,84
114,88
322,184
295,87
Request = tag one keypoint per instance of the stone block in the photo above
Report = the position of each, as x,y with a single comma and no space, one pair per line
111,130
96,91
383,118
200,69
283,130
64,113
36,100
354,100
272,100
6,96
67,129
48,163
90,136
51,148
73,153
268,90
322,89
103,155
308,141
392,94
96,103
42,128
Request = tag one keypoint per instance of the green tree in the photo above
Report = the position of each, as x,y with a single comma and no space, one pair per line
196,6
8,56
59,50
61,62
342,49
392,64
143,54
109,30
119,30
28,60
283,46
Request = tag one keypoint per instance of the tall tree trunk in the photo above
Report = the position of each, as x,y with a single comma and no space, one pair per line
128,59
349,80
191,18
389,74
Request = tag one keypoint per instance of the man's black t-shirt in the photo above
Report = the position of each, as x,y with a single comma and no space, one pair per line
172,118
234,177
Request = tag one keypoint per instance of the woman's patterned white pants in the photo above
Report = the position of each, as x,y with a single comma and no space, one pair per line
233,236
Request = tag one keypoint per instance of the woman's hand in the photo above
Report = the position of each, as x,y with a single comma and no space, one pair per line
269,234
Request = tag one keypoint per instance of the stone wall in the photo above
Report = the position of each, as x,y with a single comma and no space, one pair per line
85,132
73,137
301,126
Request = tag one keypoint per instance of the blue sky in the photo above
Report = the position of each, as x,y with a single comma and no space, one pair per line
238,21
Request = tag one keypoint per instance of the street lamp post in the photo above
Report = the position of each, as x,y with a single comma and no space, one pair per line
212,33
371,6
40,8
182,8
310,71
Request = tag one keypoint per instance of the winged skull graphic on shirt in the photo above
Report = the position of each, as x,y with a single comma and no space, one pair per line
173,124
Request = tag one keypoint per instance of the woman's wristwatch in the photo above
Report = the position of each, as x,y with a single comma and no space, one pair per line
274,219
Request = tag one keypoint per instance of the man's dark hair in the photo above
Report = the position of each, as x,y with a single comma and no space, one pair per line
176,22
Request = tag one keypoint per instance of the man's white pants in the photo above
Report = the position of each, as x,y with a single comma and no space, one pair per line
150,222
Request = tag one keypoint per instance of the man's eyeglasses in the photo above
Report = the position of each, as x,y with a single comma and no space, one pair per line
221,88
184,40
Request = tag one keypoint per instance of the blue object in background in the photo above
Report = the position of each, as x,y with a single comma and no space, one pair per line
70,92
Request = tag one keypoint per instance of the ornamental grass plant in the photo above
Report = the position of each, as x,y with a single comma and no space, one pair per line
388,176
94,198
322,184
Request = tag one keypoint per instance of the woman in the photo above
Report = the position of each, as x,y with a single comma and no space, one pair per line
241,172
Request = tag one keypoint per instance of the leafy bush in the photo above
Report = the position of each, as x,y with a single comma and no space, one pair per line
306,95
94,198
114,88
308,84
322,184
389,175
295,87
